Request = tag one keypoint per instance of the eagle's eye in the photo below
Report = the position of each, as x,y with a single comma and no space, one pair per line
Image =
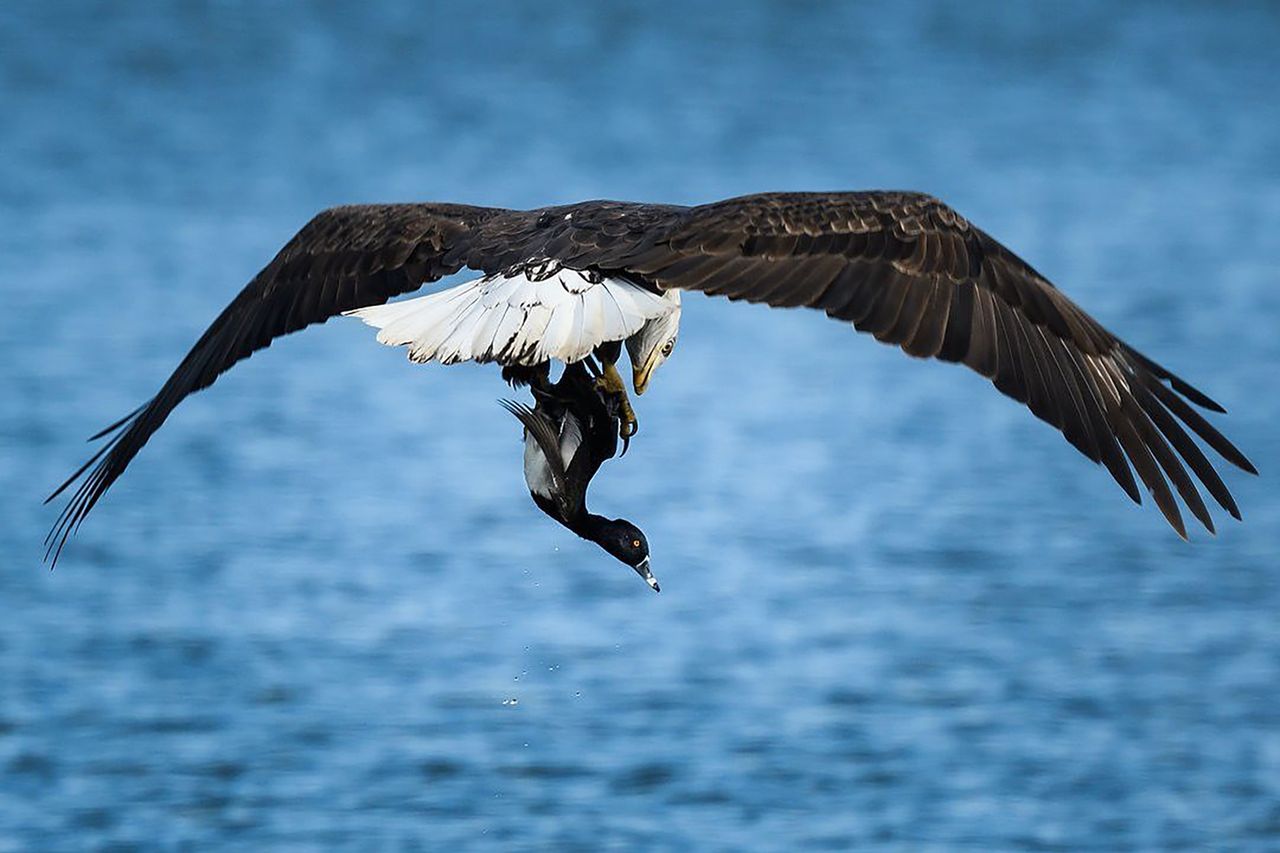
668,347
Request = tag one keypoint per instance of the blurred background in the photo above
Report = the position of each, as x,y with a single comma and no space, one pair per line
320,610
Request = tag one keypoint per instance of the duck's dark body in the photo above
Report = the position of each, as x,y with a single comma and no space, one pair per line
585,428
569,434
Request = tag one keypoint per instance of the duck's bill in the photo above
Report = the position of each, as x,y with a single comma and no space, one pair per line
642,569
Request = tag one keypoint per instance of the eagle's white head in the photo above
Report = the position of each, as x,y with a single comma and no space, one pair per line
652,345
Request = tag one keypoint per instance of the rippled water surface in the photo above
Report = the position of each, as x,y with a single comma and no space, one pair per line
320,611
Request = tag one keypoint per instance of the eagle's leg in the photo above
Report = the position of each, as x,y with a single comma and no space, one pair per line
610,383
537,377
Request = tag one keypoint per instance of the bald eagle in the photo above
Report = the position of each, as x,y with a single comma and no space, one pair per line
579,283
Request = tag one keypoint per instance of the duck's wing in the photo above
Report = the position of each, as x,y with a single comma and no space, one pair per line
557,446
912,272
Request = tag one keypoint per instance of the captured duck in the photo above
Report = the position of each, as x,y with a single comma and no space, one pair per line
568,435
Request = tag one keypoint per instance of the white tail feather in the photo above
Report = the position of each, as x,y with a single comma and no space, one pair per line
515,320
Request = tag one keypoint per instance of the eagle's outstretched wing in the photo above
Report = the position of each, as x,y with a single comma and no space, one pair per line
911,271
344,258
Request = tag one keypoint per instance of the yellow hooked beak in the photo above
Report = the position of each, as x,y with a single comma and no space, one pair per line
640,378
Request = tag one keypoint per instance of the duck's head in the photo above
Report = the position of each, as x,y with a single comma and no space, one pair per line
625,541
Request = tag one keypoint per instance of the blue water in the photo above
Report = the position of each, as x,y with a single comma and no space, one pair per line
320,612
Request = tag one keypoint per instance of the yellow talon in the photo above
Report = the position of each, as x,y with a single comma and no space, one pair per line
610,382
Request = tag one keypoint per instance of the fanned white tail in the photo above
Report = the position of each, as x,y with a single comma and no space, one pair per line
518,319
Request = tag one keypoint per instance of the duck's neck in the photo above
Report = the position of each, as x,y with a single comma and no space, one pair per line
588,525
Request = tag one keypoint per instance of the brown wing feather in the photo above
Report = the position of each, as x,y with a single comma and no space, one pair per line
344,258
912,272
